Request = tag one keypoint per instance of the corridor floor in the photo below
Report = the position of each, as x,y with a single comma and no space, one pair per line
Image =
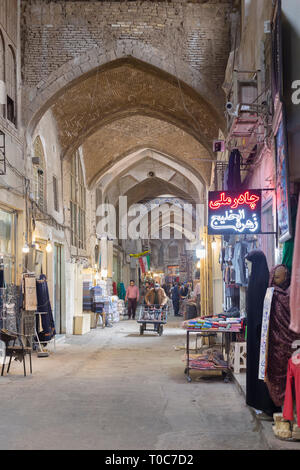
113,389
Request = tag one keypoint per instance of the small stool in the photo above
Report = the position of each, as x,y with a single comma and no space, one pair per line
238,356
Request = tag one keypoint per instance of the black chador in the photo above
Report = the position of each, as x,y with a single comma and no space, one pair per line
257,394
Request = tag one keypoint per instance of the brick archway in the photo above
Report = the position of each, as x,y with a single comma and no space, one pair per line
46,92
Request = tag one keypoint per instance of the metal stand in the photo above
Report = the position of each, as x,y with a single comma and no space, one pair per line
226,340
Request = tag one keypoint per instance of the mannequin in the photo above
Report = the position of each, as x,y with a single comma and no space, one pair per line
257,394
280,336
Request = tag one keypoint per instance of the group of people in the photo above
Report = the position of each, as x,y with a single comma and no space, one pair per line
154,294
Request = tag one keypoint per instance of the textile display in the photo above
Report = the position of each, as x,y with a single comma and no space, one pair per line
210,360
213,323
97,301
280,338
115,291
234,171
121,291
265,333
43,305
257,394
87,298
295,281
292,390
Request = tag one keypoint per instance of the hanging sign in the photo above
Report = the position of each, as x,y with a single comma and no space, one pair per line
234,213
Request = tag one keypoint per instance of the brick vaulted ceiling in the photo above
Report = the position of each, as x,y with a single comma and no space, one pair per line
128,105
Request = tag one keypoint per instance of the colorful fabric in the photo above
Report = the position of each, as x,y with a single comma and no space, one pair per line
292,389
295,281
280,339
265,333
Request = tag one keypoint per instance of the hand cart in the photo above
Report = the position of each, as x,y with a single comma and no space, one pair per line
155,315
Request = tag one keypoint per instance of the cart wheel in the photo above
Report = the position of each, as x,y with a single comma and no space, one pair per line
160,330
141,330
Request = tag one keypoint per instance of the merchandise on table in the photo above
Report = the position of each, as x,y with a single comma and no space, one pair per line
213,323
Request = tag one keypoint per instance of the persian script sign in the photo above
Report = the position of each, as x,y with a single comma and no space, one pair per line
234,213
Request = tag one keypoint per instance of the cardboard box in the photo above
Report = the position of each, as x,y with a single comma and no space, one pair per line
82,324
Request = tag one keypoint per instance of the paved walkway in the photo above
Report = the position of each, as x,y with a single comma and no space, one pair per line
114,389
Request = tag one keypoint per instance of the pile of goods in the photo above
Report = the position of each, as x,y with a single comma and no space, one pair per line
218,323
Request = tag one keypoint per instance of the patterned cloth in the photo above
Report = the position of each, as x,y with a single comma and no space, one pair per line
280,340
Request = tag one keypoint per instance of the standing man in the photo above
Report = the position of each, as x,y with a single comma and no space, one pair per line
132,296
175,299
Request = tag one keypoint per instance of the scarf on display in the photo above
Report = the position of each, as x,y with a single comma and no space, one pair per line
280,338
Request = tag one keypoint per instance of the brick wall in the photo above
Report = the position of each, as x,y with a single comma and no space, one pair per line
54,32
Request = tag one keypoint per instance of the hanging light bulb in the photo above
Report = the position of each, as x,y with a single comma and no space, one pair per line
48,246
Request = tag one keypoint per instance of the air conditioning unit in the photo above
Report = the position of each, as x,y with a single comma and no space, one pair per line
35,160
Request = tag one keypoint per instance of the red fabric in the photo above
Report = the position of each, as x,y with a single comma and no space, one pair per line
295,282
115,292
292,390
142,265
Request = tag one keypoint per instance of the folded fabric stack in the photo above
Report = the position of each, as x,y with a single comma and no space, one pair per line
210,360
96,296
213,323
87,299
121,308
114,311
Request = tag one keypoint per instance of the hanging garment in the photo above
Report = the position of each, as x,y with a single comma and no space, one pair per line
121,290
2,282
257,394
280,338
43,305
234,171
238,262
292,389
115,292
295,281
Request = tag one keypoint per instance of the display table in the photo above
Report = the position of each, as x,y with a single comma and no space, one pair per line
226,341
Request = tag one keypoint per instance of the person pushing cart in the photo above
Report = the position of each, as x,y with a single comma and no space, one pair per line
155,310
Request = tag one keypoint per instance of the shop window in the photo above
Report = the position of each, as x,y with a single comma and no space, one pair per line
77,204
39,179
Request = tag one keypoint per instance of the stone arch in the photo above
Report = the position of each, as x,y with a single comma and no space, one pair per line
46,92
108,177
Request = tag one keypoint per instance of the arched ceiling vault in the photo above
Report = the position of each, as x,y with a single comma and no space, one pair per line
125,91
160,163
121,138
152,188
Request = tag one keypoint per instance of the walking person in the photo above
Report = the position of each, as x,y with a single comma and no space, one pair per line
175,299
132,296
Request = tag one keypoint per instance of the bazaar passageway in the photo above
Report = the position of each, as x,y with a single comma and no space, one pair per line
114,389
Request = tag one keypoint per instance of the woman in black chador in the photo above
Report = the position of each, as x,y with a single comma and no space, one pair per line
257,394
